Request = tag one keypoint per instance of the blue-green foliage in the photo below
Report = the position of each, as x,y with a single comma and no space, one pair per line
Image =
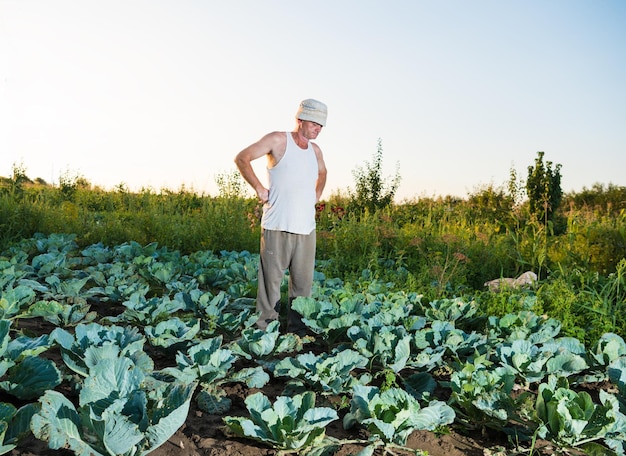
510,373
93,342
211,365
333,311
62,314
23,373
264,345
524,325
572,418
142,311
328,373
394,414
609,348
173,334
14,424
14,302
484,393
121,411
443,338
291,423
217,312
386,346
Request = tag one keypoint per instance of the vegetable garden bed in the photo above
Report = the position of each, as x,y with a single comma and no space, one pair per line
136,349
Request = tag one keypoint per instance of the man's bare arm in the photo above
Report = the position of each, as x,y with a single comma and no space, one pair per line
321,173
263,147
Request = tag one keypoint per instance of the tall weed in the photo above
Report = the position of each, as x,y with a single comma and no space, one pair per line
606,298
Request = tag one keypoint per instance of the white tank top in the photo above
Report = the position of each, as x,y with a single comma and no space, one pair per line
291,205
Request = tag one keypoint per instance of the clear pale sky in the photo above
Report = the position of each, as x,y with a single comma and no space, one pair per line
157,94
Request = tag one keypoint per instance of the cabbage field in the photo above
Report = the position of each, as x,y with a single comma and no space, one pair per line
137,349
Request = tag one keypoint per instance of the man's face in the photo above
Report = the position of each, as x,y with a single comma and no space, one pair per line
310,130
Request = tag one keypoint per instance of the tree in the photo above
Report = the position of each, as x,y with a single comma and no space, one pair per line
372,191
543,188
600,198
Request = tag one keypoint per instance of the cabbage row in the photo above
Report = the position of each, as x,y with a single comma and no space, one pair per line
390,363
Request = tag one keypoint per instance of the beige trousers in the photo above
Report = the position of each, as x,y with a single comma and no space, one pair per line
281,252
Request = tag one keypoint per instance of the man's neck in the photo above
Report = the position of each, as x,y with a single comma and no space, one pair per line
300,139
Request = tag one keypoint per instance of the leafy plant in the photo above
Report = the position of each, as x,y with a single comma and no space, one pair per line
68,289
524,359
484,394
494,360
607,298
14,424
328,318
443,338
62,314
609,347
565,356
233,272
291,423
14,302
264,345
217,311
387,346
121,411
93,342
524,325
144,311
24,374
454,310
568,356
173,334
116,280
326,373
394,414
212,366
616,373
572,418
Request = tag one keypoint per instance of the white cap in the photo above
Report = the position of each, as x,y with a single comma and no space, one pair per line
312,110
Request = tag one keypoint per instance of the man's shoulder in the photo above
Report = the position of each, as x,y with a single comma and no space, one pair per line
276,137
277,134
277,140
316,149
273,144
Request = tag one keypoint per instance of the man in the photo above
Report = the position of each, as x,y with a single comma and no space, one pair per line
297,176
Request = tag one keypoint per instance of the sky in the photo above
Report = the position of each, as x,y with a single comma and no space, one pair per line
161,94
